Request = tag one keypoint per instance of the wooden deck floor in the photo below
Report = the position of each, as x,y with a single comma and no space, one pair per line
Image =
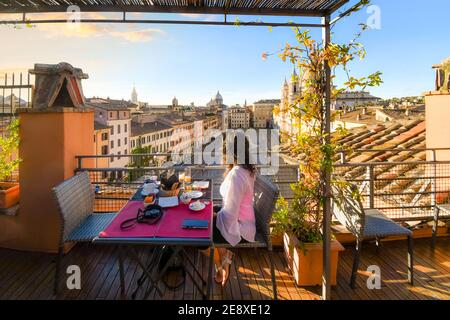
30,275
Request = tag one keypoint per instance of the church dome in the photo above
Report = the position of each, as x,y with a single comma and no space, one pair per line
175,101
219,96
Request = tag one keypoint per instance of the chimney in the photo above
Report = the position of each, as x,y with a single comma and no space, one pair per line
58,85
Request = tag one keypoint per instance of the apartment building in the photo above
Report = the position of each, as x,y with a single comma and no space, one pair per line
262,113
154,134
353,99
116,115
101,144
239,117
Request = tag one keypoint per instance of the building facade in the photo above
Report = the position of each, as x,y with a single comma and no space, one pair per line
262,113
352,99
282,117
116,115
154,134
239,117
101,144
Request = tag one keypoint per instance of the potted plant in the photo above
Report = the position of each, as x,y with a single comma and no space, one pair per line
9,162
300,219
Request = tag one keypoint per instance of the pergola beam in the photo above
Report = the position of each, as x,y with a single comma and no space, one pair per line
175,22
168,9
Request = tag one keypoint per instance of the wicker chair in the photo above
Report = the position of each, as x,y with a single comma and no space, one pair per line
266,195
75,200
366,224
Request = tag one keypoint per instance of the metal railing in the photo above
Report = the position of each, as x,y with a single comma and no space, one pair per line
404,190
16,92
115,186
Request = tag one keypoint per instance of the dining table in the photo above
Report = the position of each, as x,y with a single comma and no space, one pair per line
166,235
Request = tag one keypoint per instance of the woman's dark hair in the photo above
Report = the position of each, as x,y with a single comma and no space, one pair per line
246,164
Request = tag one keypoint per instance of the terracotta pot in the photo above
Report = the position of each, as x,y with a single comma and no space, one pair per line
277,240
307,265
9,194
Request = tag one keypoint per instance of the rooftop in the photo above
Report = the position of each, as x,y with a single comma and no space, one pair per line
110,104
100,126
138,129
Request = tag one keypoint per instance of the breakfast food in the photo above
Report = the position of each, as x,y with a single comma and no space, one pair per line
149,199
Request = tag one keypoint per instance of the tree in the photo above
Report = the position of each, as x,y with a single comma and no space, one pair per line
304,214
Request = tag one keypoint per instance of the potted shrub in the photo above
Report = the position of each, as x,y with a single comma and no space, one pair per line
9,162
302,238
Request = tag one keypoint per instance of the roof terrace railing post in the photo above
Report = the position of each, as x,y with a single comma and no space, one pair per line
326,277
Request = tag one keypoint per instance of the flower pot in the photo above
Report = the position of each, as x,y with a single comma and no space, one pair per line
306,263
9,194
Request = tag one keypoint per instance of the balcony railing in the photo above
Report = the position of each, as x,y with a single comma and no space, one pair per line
405,191
115,186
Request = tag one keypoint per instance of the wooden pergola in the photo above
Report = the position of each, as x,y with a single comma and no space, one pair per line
321,9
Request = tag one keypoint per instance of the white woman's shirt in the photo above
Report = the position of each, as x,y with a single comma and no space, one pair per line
236,219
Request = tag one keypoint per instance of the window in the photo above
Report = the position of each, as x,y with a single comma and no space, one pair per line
118,129
105,150
125,129
104,136
112,130
118,142
125,141
94,137
126,151
142,140
110,114
112,144
125,114
118,158
132,143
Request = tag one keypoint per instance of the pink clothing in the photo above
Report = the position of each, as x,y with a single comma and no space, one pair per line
236,219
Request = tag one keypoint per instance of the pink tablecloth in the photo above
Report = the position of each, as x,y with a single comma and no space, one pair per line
168,227
140,230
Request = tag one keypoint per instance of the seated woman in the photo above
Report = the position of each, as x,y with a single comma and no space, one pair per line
235,220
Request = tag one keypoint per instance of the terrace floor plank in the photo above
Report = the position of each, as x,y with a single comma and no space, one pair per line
25,275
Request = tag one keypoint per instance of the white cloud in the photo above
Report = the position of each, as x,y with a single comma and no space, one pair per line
131,33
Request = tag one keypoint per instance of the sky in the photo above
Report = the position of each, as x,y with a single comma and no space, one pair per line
194,62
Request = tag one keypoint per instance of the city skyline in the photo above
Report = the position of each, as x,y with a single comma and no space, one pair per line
194,62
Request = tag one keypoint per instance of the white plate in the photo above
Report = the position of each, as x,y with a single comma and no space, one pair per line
199,208
167,202
147,192
195,194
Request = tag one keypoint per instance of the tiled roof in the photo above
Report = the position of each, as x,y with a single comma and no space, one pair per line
110,104
138,129
100,126
400,182
357,116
